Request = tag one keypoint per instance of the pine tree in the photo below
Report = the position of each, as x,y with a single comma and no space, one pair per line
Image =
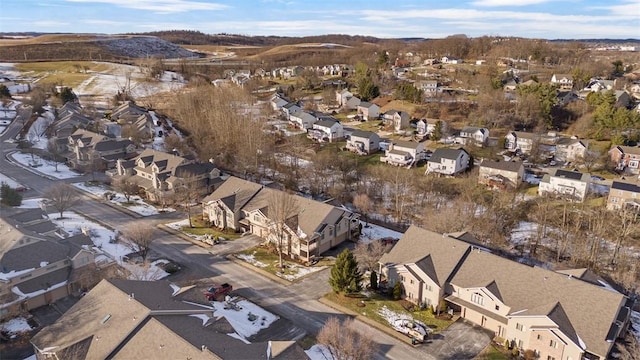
374,281
345,276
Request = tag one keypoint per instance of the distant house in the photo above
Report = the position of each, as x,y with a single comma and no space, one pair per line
368,111
501,174
569,149
623,194
622,98
289,109
471,135
314,228
451,60
429,87
521,141
424,127
363,142
70,122
346,100
278,101
625,158
162,175
131,319
569,184
329,130
302,119
404,153
398,120
448,161
563,81
136,117
89,150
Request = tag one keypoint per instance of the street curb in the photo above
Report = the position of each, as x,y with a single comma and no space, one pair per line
122,209
256,269
9,157
179,234
366,320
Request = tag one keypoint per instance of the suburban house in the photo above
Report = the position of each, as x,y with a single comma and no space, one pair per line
398,120
278,101
89,150
289,109
625,158
313,227
451,60
363,142
327,130
520,141
570,149
68,123
501,174
622,98
471,135
368,111
563,81
623,194
162,175
39,265
531,307
133,319
571,184
424,127
129,114
345,99
448,161
302,119
429,87
404,153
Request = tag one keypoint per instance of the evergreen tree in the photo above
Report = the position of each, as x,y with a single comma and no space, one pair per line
4,92
373,281
67,95
345,276
10,196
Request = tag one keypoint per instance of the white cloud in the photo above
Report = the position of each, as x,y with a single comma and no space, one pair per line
627,7
49,23
103,22
160,6
489,3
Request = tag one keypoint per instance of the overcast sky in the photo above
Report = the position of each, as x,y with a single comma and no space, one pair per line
549,19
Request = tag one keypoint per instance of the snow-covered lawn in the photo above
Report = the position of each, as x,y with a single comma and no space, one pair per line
375,232
292,273
36,134
179,225
15,326
319,352
9,181
403,322
135,204
246,318
44,167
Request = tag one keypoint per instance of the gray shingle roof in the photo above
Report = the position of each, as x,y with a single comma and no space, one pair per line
625,186
31,255
442,153
513,166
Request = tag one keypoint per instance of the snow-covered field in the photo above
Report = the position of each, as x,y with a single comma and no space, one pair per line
44,167
294,271
136,203
374,232
403,322
15,326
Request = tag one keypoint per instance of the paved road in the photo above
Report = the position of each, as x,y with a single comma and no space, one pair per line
297,302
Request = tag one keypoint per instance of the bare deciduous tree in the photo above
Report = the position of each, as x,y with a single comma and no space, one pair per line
363,203
127,187
368,254
55,154
62,197
283,207
139,238
345,342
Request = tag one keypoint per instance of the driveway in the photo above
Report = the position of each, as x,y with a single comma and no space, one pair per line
459,341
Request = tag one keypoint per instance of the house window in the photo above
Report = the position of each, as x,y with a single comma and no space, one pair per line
497,307
411,281
402,278
550,358
633,163
477,299
553,344
520,344
255,217
539,337
428,287
519,327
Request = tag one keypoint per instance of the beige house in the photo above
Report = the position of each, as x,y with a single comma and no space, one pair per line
161,175
397,120
522,141
531,307
623,194
89,150
501,174
570,149
562,81
130,319
572,185
312,229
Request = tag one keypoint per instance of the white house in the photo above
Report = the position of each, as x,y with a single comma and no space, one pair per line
571,184
518,140
563,81
290,108
328,130
397,119
363,142
368,110
471,135
448,161
302,119
429,87
403,153
570,149
278,101
425,127
346,99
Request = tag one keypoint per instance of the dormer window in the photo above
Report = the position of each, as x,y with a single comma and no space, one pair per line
477,298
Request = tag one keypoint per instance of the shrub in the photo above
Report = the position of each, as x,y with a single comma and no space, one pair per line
373,281
10,196
397,291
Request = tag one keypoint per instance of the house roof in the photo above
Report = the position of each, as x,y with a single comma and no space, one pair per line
513,166
405,144
45,281
625,186
590,309
442,153
633,150
138,319
435,254
366,104
568,141
572,175
30,215
363,134
234,193
32,255
110,145
524,135
326,123
472,129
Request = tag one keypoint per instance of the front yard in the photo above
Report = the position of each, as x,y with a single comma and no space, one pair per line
385,310
268,260
201,231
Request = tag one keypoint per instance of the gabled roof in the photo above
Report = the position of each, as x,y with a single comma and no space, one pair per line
405,144
625,186
633,150
234,193
536,291
513,166
442,153
111,144
433,253
326,123
363,134
32,255
572,175
366,104
568,142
